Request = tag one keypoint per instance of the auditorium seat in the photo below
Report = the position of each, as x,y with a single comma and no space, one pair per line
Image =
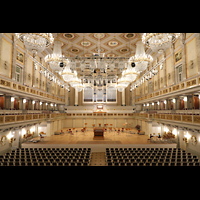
47,157
150,157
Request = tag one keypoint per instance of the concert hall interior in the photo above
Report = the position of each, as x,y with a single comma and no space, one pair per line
99,99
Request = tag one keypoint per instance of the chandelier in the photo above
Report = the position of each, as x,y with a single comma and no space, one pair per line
122,83
130,73
159,41
67,74
72,78
35,42
56,60
141,59
76,83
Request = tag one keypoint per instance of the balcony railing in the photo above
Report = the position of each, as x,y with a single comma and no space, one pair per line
186,118
170,89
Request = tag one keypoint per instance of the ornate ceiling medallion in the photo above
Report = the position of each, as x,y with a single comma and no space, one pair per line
113,43
85,43
127,36
111,55
70,36
98,36
96,50
123,50
74,50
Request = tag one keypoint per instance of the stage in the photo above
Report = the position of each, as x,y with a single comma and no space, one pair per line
111,139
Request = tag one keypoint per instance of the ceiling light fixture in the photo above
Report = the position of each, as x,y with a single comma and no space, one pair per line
141,59
35,42
159,42
56,60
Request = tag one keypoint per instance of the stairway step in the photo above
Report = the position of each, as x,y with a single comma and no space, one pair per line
98,159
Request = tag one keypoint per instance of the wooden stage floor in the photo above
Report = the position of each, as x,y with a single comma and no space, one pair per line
110,137
86,140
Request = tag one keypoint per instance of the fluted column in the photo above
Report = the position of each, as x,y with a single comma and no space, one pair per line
184,70
123,98
76,97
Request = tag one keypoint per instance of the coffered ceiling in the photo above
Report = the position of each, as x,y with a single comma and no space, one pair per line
86,44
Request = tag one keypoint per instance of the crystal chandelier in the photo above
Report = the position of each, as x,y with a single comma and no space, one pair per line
79,87
56,60
76,83
35,42
122,83
72,78
141,59
159,41
130,73
67,74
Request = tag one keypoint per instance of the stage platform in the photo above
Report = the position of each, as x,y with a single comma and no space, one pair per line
111,139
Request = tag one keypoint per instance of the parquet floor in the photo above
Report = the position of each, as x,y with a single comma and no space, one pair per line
110,137
98,159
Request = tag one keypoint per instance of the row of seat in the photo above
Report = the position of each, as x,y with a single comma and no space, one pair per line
150,157
145,149
50,149
47,157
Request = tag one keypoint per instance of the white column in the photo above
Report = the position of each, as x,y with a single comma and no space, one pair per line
173,64
123,98
185,102
198,50
49,128
76,97
184,72
115,123
14,54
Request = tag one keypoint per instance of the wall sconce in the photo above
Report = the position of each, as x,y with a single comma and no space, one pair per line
185,99
10,137
186,137
3,140
152,104
158,103
174,100
165,101
33,102
23,132
12,99
40,103
24,100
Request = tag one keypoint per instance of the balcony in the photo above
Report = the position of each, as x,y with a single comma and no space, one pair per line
179,117
190,85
